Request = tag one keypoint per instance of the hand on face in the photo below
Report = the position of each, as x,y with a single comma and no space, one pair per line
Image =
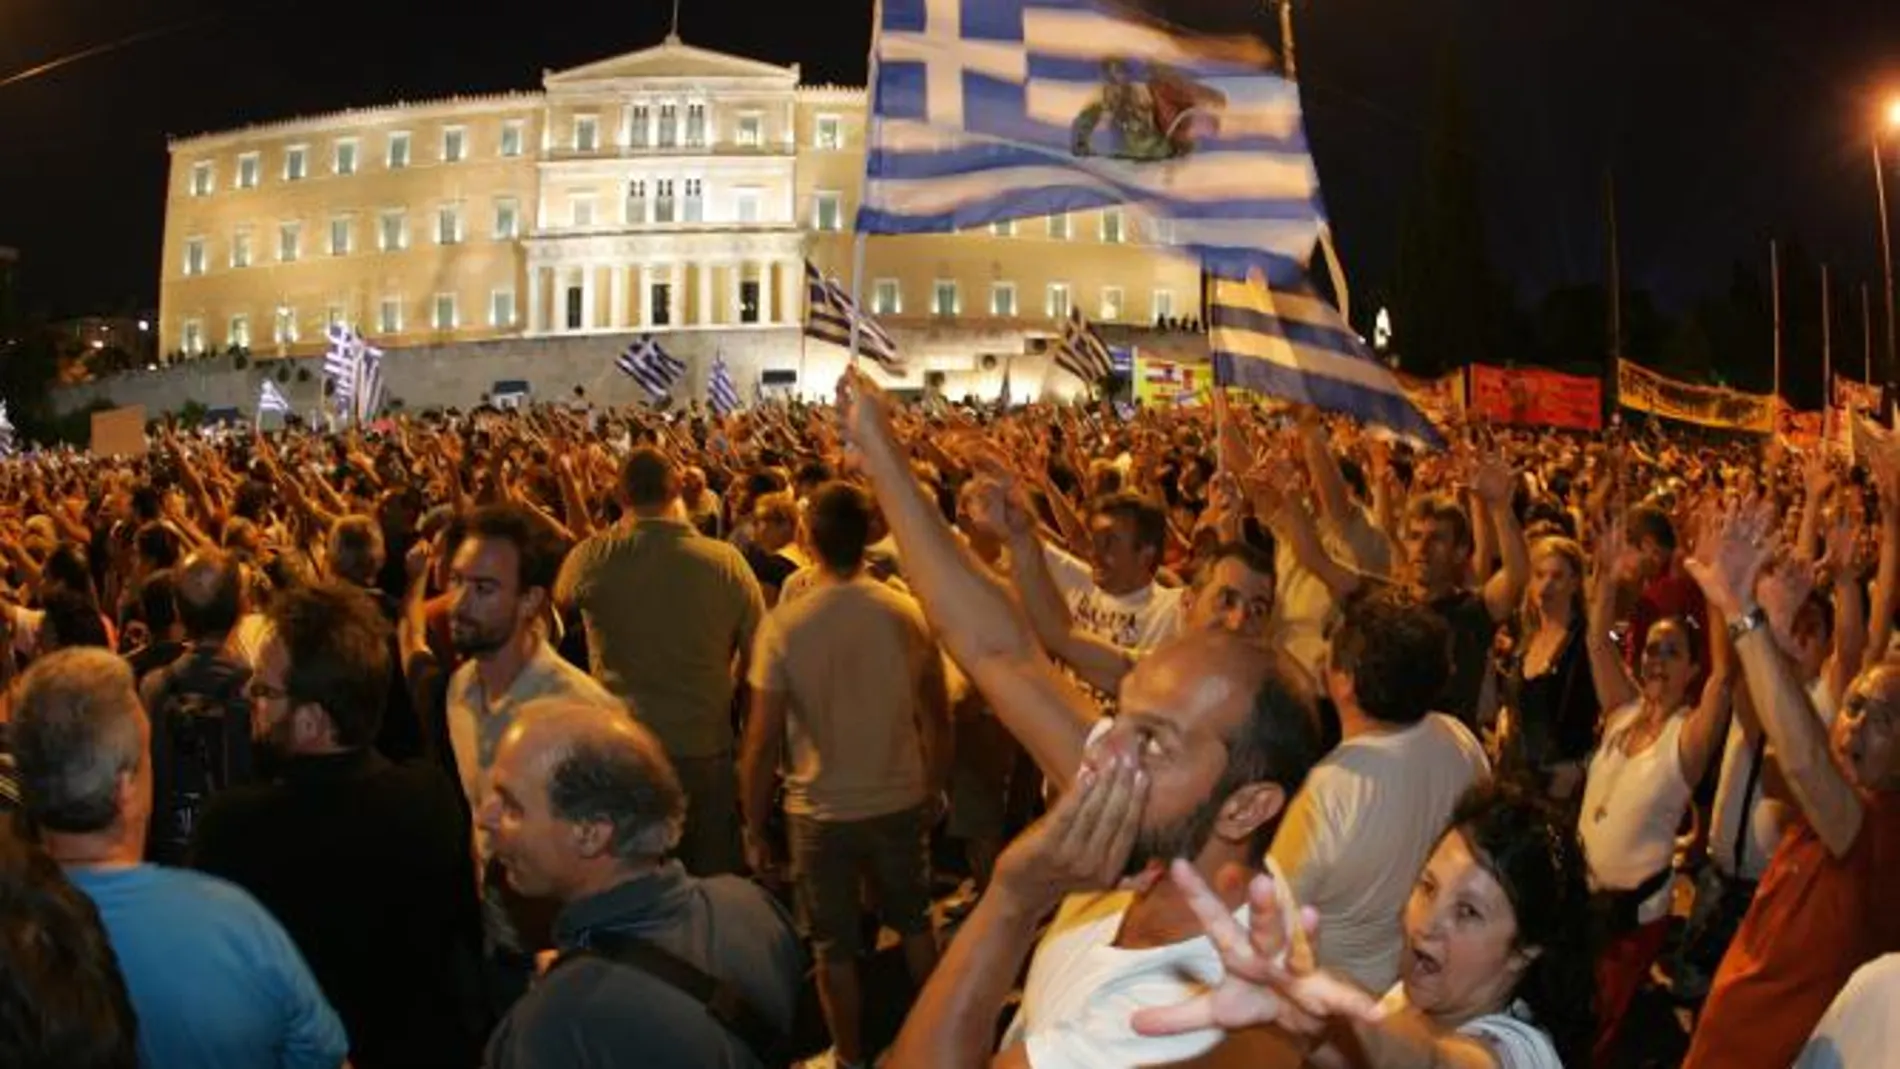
1084,842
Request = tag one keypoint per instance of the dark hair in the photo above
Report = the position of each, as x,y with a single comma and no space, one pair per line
69,566
63,1002
1355,478
1441,509
839,521
1254,558
760,483
1149,521
1650,522
337,643
209,586
1532,850
1397,651
624,780
158,602
1278,742
147,502
648,478
158,544
72,619
813,473
538,550
356,549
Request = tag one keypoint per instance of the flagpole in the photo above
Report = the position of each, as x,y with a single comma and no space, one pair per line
1774,267
1827,343
1867,331
872,126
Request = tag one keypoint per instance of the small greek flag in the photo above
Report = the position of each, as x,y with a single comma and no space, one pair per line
357,369
829,317
651,366
1080,351
271,399
720,390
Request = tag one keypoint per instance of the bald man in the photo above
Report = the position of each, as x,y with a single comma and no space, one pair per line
586,810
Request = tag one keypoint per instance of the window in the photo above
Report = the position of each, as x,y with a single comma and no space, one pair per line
394,234
340,236
343,159
1111,303
1164,305
296,163
448,225
247,171
576,305
580,210
748,206
1059,227
289,242
1112,226
696,125
194,256
507,219
660,303
444,312
501,308
193,336
749,300
586,133
241,248
944,300
886,298
284,327
1003,300
669,125
398,157
389,316
1058,304
454,144
637,201
695,209
201,178
663,201
511,138
747,133
828,211
827,133
1003,228
239,333
641,131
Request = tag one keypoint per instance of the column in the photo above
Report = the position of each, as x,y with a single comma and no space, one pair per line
617,294
675,295
537,312
587,296
639,276
704,271
735,274
790,278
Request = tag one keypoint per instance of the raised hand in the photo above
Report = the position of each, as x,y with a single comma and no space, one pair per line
1269,974
1731,553
1491,480
864,412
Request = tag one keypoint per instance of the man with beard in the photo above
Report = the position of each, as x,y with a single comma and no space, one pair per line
1219,732
499,582
366,863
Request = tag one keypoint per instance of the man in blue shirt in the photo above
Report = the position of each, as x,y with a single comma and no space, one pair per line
214,979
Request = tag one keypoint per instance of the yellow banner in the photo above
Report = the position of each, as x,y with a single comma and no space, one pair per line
1711,406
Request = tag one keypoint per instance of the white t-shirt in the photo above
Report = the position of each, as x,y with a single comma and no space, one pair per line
1768,818
1138,622
1357,833
1631,809
1303,606
1860,1030
1512,1037
1083,991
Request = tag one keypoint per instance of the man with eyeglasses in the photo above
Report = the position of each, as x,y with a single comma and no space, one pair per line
366,863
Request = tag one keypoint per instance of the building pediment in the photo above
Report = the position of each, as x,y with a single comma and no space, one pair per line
671,59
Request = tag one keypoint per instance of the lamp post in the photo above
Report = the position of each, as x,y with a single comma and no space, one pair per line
1891,126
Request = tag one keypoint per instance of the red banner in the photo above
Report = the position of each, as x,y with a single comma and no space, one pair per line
1535,398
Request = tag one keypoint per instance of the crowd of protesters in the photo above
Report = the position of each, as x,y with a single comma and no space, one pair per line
565,737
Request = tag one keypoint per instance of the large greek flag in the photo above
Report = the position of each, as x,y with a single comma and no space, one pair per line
356,367
1288,342
1080,351
656,370
828,316
1000,109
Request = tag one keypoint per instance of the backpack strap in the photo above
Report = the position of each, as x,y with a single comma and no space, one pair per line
724,1002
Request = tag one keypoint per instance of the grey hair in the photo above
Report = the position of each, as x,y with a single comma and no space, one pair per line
75,729
621,777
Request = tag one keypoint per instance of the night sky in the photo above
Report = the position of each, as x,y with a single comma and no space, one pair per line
1727,121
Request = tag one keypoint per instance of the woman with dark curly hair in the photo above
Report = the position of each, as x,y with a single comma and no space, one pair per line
1496,971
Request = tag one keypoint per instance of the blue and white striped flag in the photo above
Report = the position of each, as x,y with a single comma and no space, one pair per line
720,390
1002,395
356,367
829,314
652,367
1288,342
271,399
1080,351
6,431
986,110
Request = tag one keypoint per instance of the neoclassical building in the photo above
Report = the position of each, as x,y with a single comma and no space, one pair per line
668,189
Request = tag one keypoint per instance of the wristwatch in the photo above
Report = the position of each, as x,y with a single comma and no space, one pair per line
1751,620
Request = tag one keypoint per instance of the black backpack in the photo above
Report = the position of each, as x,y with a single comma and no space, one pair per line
201,744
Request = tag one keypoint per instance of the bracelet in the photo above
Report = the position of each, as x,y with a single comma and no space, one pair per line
1750,621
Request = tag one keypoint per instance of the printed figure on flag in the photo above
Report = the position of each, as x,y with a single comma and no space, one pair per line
356,368
656,370
989,110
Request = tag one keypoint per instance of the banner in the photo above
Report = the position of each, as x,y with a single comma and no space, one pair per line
1536,398
1441,399
1711,406
1860,396
1166,382
119,432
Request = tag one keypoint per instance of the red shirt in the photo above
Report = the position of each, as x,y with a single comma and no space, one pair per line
1671,594
1815,919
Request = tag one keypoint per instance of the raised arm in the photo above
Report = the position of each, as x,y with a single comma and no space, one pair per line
1607,670
1100,664
1504,590
1706,731
972,613
1887,577
1269,487
1731,557
1850,621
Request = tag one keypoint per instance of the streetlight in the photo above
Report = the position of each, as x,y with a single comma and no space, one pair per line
1886,234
